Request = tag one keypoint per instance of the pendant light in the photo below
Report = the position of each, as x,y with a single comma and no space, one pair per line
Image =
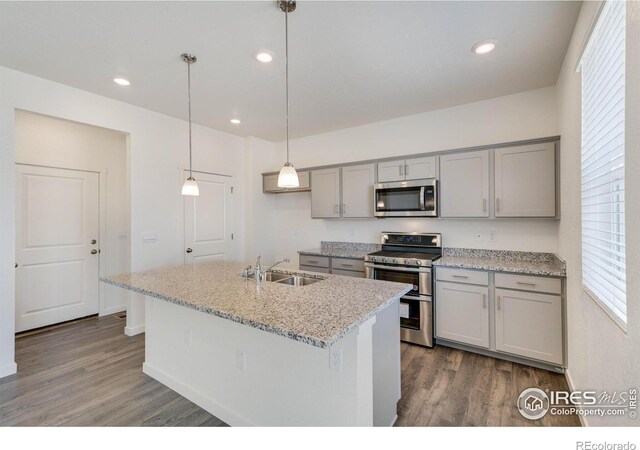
288,178
190,187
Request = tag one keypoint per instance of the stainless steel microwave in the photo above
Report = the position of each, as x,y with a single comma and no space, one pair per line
418,198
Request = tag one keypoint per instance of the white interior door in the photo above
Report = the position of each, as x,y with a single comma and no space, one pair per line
57,233
208,220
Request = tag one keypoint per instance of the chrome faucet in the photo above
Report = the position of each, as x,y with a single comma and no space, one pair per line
257,272
285,260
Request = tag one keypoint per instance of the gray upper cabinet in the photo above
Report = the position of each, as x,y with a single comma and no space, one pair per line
342,192
270,184
464,184
325,193
407,169
525,181
357,190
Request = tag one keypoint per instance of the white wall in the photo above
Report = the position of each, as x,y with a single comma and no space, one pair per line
157,148
601,355
522,116
46,141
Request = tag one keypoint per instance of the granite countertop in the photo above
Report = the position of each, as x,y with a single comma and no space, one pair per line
356,250
318,314
529,263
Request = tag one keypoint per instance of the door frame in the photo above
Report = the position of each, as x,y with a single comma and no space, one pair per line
183,234
102,224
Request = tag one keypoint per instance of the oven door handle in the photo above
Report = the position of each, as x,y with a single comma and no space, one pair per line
398,269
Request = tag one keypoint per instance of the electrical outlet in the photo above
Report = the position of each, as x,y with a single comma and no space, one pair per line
241,359
187,336
493,236
335,358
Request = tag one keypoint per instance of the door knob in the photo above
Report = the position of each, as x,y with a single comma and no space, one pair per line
94,251
93,241
189,250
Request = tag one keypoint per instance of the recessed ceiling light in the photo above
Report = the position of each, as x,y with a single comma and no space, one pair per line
235,121
484,47
264,57
122,81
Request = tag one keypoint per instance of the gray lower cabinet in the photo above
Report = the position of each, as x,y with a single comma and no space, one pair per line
511,314
462,313
528,313
350,267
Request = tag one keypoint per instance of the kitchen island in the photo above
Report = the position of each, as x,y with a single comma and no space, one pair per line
272,354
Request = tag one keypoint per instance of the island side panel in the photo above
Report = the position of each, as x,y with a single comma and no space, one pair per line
386,365
246,376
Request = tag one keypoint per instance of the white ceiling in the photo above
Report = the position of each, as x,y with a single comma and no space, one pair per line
350,63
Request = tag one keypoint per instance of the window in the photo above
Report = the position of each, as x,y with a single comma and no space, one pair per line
602,168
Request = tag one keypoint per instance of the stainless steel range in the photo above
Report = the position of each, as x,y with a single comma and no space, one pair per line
406,258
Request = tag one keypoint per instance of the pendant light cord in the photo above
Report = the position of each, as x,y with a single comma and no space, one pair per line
189,93
286,69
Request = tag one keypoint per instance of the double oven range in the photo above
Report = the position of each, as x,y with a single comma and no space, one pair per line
406,258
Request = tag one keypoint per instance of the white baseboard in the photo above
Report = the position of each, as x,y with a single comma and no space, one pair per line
113,310
9,369
200,399
567,374
132,331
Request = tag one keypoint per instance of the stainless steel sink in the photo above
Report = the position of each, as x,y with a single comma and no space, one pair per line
273,276
298,280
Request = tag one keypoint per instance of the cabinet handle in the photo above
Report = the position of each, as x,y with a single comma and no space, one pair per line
497,204
525,284
484,301
335,209
406,169
499,302
459,276
400,170
312,261
484,205
344,208
346,265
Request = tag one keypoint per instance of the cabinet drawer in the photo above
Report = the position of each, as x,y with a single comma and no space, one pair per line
347,273
529,283
462,276
348,264
315,269
315,261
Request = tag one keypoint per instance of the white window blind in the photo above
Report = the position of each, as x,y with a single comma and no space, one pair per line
602,169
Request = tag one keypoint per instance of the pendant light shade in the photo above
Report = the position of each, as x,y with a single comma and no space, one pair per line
190,187
288,177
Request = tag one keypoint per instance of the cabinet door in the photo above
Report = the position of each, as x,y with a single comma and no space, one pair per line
325,193
462,313
464,184
357,190
391,171
529,324
270,183
419,168
525,181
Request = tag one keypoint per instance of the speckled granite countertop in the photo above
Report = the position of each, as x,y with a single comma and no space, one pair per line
342,249
318,314
530,263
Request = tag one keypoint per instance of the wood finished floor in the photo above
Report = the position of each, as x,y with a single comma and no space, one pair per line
90,374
